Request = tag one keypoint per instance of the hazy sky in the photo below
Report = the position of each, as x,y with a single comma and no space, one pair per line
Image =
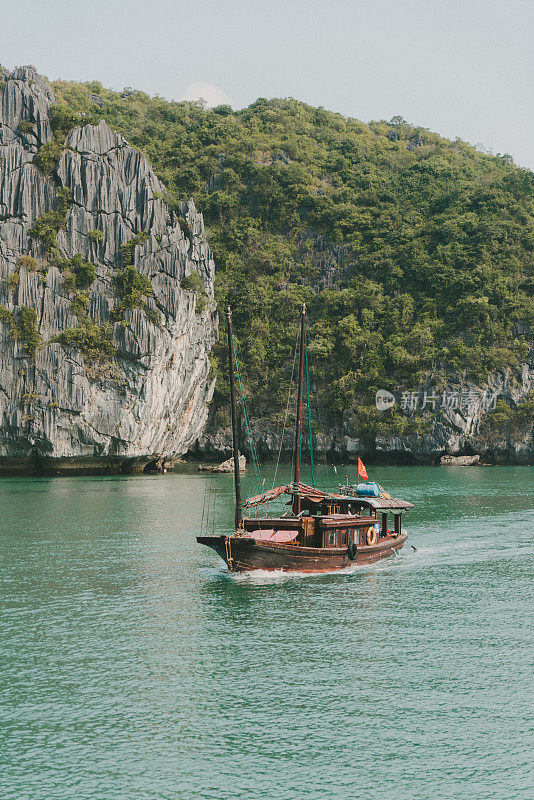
460,67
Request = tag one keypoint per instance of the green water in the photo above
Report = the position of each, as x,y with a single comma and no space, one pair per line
134,668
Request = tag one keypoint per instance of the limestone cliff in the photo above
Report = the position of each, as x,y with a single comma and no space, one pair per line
107,315
500,431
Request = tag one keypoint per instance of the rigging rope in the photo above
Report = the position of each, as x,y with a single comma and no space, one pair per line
287,410
309,404
255,462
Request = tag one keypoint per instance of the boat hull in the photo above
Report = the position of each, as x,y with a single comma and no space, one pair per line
243,554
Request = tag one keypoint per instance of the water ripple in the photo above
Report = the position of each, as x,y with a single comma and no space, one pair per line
135,666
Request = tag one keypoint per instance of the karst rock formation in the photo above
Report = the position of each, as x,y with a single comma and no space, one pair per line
92,379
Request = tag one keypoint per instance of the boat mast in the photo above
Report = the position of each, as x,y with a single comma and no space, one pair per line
296,507
235,443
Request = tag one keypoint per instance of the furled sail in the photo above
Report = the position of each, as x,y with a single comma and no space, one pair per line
266,497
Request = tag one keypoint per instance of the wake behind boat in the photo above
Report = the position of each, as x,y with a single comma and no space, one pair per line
324,531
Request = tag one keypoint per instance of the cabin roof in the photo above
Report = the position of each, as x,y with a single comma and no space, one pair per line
382,502
318,496
314,495
373,502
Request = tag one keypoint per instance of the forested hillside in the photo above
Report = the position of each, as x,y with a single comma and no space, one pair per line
413,252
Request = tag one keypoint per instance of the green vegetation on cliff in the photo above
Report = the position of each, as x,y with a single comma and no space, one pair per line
507,421
93,340
46,227
413,252
23,327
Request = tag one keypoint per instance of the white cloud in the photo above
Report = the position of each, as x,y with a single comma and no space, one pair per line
206,91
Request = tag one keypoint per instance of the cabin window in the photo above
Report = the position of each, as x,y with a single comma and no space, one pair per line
331,539
343,537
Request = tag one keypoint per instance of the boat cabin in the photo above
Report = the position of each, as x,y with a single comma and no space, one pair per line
331,521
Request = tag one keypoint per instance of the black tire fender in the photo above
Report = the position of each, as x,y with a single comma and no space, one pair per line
352,551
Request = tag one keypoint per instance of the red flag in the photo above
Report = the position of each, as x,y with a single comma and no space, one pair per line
362,472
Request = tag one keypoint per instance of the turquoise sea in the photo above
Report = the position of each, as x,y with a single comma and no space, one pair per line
133,667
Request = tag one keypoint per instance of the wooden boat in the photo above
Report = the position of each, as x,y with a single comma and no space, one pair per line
324,531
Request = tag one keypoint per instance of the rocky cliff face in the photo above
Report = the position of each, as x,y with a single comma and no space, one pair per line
468,419
494,420
107,315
